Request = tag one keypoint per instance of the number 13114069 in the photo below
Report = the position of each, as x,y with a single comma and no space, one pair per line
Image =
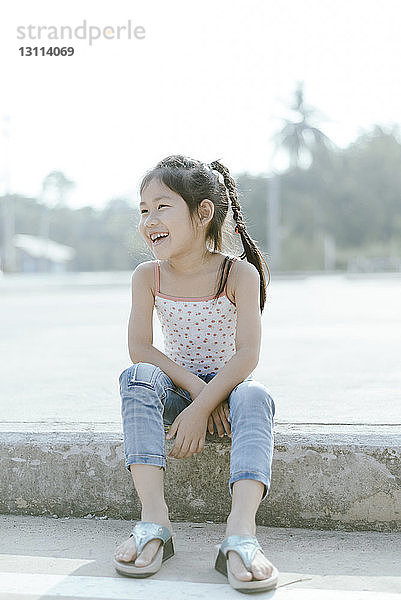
42,51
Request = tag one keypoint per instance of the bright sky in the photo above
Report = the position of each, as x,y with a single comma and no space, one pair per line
210,79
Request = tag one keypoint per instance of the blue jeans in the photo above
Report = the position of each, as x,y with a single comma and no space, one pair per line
151,401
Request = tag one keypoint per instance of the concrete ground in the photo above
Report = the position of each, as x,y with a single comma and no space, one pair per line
59,370
67,558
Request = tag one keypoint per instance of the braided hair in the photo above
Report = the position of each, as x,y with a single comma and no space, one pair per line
194,180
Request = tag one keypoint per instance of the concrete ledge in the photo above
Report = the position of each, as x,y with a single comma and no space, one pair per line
324,477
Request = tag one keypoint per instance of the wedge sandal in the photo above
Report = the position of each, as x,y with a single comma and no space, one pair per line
246,547
143,532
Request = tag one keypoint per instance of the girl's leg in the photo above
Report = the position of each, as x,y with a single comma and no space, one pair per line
251,416
147,395
149,484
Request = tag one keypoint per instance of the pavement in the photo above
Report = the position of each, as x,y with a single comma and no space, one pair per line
50,558
329,352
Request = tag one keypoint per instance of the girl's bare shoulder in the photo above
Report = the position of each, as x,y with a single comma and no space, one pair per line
241,273
145,273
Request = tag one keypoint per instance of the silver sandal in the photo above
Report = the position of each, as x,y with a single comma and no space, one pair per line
143,532
246,546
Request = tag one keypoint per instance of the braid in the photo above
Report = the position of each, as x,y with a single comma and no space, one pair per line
232,192
251,251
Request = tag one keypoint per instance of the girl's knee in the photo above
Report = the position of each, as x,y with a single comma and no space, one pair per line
250,393
141,374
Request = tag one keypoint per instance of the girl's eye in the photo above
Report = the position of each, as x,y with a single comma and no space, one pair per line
144,210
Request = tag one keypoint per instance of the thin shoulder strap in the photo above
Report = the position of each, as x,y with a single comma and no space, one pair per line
157,276
231,262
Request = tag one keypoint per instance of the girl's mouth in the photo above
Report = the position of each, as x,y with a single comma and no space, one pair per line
159,240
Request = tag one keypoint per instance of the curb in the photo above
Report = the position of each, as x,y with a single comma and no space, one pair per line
323,477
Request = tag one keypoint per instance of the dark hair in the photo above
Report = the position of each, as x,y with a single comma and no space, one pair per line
194,180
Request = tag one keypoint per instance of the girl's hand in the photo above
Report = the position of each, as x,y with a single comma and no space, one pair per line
220,417
189,427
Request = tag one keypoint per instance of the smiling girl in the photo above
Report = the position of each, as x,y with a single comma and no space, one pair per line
209,305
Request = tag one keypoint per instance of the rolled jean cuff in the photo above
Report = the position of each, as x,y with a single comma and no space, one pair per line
145,459
248,475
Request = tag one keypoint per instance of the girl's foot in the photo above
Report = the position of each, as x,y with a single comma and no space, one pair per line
261,567
126,552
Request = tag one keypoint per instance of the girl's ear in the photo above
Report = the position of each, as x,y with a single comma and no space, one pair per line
205,211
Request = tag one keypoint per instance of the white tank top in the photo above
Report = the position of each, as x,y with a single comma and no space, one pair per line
199,333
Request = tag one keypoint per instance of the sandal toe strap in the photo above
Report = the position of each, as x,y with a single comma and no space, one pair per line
144,532
246,546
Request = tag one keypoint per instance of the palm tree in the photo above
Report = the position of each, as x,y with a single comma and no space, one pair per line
55,188
299,138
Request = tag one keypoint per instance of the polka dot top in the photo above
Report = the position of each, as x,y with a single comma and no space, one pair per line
199,333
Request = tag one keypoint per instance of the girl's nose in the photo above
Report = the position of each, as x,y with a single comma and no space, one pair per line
150,220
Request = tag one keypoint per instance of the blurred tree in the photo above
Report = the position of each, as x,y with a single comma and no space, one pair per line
302,141
353,195
55,188
365,197
357,192
104,239
300,137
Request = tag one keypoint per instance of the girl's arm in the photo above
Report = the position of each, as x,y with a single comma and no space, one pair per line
140,333
247,341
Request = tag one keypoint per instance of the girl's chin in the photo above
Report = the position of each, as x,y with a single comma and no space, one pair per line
160,252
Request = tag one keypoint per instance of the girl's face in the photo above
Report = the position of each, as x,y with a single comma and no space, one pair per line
166,212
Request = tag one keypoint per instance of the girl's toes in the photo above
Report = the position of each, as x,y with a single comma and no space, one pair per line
237,567
125,556
260,574
148,553
242,575
126,551
262,570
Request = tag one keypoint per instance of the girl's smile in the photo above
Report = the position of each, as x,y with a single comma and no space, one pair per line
157,238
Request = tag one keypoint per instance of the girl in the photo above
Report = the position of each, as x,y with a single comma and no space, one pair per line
203,380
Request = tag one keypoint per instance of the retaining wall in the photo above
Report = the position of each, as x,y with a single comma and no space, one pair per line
324,477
